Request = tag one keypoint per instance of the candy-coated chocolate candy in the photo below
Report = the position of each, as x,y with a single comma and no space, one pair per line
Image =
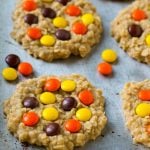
143,109
147,39
34,33
52,85
52,129
79,28
87,19
83,114
63,35
31,19
9,74
25,68
109,55
47,98
49,13
47,40
139,15
50,114
86,97
60,22
30,119
68,103
72,125
73,10
144,95
68,85
104,68
135,30
30,102
63,2
12,60
29,5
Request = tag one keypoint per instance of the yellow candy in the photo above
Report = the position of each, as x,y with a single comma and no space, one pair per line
109,55
47,98
143,110
60,22
47,1
50,114
87,19
68,85
148,39
84,114
47,40
9,74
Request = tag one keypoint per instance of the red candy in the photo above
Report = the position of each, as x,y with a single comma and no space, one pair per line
79,28
30,119
138,15
29,5
144,95
104,68
86,97
73,10
34,33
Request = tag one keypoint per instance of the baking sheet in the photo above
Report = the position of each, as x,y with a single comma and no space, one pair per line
115,136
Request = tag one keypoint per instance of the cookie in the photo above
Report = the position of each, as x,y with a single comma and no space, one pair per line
55,29
58,112
131,29
136,108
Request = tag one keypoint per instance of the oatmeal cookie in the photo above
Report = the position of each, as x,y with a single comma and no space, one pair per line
136,107
55,29
58,112
131,29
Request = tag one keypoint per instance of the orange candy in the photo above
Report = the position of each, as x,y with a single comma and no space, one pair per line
52,85
73,10
104,68
79,28
144,95
73,125
25,68
34,33
147,128
29,5
86,97
138,15
30,119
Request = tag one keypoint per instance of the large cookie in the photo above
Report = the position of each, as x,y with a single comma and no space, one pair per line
131,29
136,107
58,112
53,29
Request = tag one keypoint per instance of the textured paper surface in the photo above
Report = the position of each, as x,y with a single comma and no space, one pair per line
116,136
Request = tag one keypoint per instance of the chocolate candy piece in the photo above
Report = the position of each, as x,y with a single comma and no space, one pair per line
49,13
69,103
63,2
135,30
12,60
52,129
30,102
63,35
31,19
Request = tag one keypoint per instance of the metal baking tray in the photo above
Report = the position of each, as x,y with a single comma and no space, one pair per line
115,135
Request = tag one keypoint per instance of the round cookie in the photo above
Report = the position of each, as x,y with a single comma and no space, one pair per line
131,29
58,112
55,29
136,108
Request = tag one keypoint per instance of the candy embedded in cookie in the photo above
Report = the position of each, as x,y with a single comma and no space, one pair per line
53,29
131,29
136,107
56,109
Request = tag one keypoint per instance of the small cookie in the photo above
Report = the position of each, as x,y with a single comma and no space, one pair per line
54,29
136,107
131,29
58,112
